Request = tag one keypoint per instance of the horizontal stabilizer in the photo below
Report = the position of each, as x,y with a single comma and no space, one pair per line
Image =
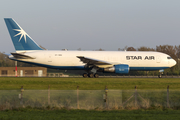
21,56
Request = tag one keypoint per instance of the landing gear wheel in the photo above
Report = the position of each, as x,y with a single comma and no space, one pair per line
160,76
91,75
96,75
85,75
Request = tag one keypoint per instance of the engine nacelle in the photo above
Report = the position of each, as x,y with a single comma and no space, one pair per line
121,68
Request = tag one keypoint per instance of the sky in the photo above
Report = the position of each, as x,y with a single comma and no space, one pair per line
93,24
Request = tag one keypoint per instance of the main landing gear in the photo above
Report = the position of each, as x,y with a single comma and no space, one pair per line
90,75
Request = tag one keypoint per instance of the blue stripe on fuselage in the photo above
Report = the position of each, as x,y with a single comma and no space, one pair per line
83,68
146,68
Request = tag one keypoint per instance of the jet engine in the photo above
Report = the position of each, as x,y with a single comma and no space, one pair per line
121,68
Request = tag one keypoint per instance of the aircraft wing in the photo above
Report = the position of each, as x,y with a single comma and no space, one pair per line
95,62
21,56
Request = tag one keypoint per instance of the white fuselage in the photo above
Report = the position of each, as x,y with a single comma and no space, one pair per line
68,59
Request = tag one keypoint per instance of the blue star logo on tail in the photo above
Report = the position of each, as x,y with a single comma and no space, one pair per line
22,33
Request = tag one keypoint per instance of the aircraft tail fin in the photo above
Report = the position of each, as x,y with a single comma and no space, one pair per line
21,40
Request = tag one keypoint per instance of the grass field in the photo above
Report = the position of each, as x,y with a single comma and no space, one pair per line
9,83
12,83
38,114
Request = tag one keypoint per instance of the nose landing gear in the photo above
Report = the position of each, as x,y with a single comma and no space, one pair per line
160,76
160,73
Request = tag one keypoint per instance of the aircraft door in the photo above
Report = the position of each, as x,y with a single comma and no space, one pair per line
158,59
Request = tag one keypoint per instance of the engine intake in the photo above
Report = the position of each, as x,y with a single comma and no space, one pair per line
121,69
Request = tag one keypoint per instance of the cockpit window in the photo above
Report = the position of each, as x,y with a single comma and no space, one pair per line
169,57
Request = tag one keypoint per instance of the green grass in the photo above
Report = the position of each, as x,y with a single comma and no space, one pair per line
38,114
7,83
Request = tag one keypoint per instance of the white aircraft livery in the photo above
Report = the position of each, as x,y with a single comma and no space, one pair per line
28,51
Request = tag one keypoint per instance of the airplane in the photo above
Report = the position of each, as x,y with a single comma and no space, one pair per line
120,62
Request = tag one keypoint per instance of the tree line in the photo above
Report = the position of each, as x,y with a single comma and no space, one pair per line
173,51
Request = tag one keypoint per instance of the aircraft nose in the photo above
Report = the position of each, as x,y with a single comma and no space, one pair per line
173,62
